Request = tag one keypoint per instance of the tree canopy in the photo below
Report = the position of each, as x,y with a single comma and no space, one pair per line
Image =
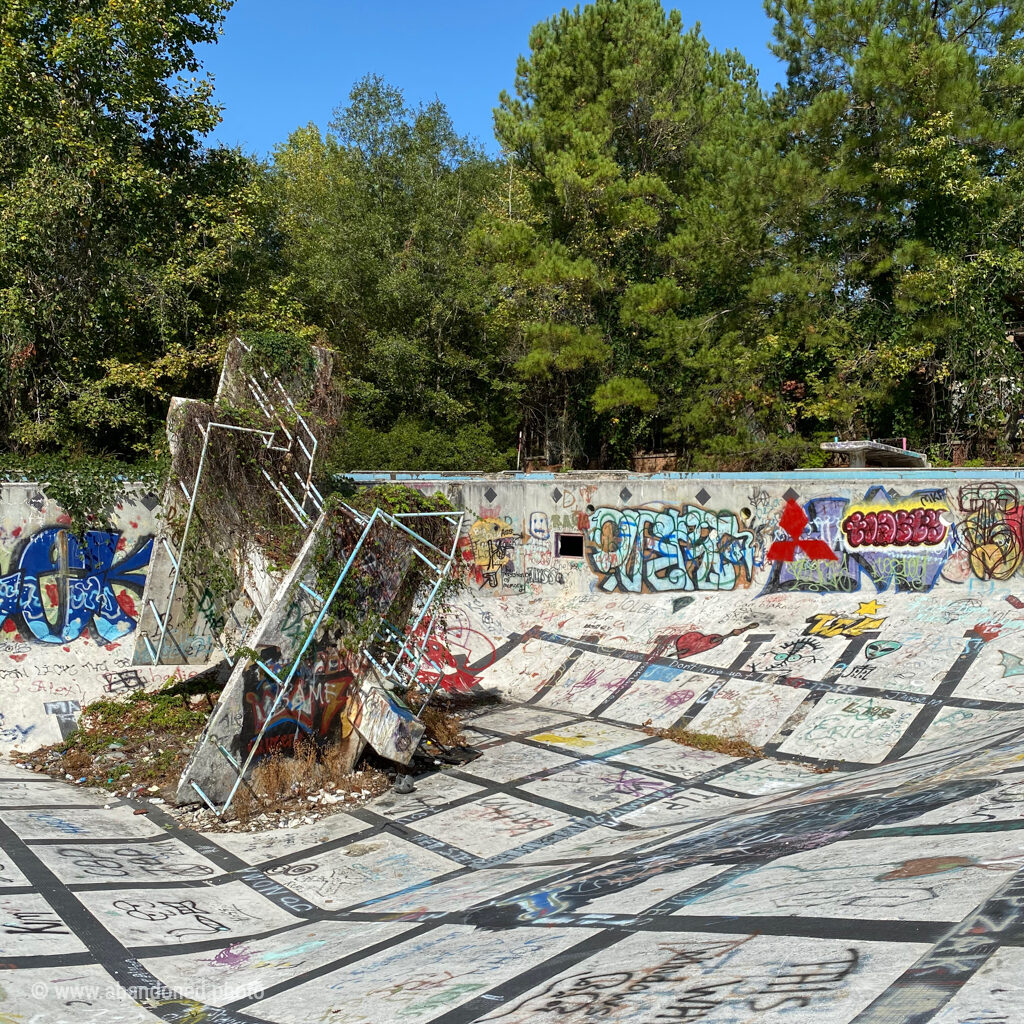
628,135
124,242
374,216
898,270
660,257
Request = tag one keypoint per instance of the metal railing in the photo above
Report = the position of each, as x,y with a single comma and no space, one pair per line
400,670
296,505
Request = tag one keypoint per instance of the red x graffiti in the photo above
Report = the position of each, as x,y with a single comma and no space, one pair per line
793,520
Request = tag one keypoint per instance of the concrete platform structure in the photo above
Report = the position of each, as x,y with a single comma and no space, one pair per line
865,630
875,453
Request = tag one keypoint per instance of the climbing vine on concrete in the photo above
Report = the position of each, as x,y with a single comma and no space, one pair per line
87,488
237,508
279,353
348,609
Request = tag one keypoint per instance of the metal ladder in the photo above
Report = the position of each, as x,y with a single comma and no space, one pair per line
296,505
407,644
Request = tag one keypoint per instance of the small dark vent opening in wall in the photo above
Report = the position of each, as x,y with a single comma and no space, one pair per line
570,545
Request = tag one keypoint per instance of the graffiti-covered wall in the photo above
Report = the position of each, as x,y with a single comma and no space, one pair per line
847,617
839,532
68,611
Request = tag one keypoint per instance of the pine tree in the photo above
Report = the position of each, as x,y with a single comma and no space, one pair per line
621,238
898,271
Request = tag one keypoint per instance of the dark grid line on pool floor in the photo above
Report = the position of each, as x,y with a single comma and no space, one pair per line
910,931
108,951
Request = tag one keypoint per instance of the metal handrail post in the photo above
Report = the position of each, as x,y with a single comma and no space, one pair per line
441,574
421,646
184,541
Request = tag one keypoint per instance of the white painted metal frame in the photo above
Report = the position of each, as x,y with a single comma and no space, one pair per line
309,494
410,647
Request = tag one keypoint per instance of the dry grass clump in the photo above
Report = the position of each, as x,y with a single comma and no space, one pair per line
733,746
440,722
307,777
75,763
442,726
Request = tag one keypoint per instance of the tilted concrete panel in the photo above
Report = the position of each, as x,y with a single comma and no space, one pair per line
333,693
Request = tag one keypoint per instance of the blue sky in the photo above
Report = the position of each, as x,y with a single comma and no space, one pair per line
283,63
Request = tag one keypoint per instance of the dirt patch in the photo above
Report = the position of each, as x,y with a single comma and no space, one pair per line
132,745
733,746
137,746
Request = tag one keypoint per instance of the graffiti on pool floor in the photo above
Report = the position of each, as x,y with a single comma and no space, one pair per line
750,841
686,645
687,981
449,648
830,624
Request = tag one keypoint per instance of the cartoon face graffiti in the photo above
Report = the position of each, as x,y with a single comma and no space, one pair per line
992,531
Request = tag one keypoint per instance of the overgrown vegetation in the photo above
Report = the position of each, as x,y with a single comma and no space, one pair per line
88,488
732,746
350,604
441,722
664,257
237,509
138,745
127,248
132,743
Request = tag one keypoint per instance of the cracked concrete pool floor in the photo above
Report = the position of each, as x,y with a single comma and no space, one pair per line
579,870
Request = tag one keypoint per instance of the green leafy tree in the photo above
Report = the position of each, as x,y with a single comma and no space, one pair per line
374,215
895,288
123,243
628,230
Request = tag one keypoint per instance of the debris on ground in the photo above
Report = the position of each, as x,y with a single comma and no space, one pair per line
404,785
303,781
136,746
443,726
734,746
